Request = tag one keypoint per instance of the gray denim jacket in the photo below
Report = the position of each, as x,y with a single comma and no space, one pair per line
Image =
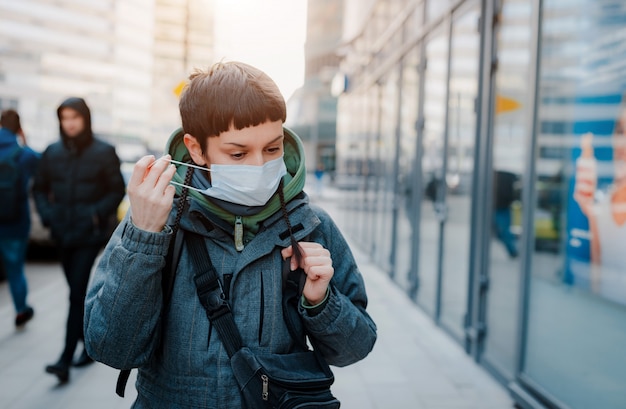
183,363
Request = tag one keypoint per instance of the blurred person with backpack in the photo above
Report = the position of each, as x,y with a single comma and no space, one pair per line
18,164
77,190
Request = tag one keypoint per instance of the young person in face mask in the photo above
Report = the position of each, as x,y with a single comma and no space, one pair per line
607,215
77,190
246,201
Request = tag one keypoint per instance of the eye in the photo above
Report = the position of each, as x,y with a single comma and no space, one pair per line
238,155
273,149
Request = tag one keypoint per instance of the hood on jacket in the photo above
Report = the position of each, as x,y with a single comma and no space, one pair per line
84,139
293,182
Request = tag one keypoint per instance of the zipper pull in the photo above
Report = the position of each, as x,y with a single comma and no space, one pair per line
266,382
238,233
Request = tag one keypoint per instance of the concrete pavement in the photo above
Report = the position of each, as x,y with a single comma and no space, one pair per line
414,364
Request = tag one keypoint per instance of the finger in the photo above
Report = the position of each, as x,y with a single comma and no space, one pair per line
165,178
169,193
322,260
315,255
315,273
286,252
139,170
313,249
155,170
310,245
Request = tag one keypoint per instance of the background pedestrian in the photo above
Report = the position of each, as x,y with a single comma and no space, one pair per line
15,227
77,190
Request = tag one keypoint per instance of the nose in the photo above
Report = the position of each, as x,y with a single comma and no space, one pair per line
256,160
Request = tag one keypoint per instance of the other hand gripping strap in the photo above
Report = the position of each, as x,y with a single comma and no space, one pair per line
211,295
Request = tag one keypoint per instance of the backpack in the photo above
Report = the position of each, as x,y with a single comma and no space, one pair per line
10,187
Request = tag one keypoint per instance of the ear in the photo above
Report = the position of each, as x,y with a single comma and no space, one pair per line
194,149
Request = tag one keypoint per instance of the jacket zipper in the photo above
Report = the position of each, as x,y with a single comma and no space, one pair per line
238,233
261,310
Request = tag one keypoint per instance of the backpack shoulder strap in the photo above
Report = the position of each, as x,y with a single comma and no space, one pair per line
293,283
211,295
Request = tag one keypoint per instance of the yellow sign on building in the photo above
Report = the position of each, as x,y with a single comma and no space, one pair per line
504,104
178,90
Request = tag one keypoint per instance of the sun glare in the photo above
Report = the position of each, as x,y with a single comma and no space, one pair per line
268,34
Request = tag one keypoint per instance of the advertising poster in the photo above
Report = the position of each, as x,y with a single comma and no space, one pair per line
596,205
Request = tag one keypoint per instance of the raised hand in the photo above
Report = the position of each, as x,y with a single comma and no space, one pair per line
150,193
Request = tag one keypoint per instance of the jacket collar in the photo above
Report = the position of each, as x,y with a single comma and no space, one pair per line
272,232
293,183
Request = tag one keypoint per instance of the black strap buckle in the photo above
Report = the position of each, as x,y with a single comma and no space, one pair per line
212,297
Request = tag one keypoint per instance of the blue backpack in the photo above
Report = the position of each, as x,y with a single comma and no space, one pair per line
10,186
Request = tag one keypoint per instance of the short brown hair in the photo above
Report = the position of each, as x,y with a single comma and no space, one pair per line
229,94
10,120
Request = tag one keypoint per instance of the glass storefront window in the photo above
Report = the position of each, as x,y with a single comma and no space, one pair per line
577,304
369,169
461,136
406,170
511,130
432,211
385,160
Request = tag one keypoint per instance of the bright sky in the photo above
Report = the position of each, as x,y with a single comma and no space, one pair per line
268,34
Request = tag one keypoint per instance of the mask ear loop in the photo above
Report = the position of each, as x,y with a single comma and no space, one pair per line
185,185
189,165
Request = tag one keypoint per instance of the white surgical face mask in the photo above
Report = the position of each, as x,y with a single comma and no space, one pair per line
243,184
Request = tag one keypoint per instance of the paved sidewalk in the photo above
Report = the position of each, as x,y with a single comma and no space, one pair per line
414,364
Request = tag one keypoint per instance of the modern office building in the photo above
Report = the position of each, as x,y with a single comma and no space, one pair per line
183,41
124,57
313,109
483,142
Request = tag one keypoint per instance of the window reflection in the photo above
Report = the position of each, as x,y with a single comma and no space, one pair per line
603,204
577,299
511,130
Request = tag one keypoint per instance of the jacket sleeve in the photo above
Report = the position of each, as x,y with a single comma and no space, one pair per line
123,304
41,189
343,330
32,159
113,184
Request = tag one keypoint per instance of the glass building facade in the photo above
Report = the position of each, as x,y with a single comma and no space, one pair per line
482,147
101,51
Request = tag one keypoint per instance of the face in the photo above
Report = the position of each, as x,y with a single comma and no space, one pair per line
72,122
253,146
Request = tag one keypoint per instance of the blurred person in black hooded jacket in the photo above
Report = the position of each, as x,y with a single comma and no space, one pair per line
77,190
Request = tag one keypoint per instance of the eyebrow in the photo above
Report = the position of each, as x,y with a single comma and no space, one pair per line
269,143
